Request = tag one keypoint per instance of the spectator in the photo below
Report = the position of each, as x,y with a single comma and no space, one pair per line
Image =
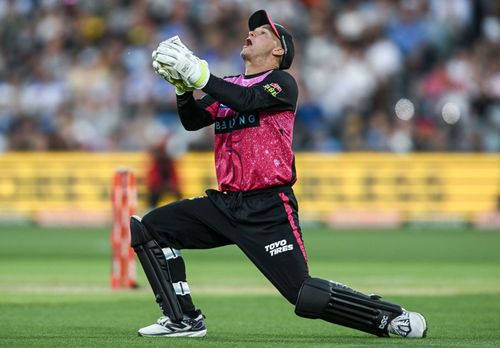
76,75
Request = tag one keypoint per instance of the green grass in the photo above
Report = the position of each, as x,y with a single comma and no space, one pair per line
54,290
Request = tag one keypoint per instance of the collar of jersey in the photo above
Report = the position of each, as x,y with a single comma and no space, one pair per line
257,74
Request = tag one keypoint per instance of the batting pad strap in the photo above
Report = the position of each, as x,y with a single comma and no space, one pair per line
171,253
181,288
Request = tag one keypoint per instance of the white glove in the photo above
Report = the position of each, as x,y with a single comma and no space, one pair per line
193,70
180,86
168,73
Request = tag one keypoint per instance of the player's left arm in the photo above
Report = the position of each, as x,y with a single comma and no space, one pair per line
278,91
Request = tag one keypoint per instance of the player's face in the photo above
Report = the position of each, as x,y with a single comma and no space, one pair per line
260,42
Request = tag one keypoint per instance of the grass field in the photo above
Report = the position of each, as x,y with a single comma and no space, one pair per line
54,290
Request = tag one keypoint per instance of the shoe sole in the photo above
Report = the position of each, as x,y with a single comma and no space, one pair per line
200,333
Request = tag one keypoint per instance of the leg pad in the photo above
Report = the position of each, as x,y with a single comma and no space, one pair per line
155,266
339,304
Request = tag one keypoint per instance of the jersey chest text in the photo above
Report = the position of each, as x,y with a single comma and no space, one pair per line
239,121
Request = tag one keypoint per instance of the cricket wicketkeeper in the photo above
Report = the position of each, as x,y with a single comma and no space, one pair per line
255,207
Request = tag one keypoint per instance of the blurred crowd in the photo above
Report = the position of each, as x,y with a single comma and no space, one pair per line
76,75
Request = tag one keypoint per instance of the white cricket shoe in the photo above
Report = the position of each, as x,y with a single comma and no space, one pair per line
408,325
188,327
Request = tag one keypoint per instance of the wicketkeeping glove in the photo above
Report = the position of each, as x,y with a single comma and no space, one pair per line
193,70
169,74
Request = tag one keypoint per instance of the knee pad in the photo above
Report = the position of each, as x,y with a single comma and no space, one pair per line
154,263
339,304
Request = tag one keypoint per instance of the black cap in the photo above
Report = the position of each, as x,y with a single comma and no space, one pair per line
260,18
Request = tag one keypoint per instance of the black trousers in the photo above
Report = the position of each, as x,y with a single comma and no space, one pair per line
262,223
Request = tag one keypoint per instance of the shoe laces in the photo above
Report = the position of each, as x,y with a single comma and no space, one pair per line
163,320
186,319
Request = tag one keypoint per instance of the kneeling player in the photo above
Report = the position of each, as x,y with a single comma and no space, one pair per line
255,207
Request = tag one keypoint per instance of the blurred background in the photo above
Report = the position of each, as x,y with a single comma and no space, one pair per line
76,75
399,106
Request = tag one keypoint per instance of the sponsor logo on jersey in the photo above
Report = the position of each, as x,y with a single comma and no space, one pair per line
276,86
240,121
273,88
278,247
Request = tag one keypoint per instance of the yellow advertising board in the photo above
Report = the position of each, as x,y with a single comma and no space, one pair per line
409,184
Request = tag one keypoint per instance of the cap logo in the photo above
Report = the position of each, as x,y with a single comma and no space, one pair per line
284,44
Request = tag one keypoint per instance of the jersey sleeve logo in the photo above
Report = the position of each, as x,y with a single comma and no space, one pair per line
273,88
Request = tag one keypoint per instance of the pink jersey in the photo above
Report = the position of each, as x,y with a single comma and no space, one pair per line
253,150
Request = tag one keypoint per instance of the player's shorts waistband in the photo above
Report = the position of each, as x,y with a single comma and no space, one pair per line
234,199
249,193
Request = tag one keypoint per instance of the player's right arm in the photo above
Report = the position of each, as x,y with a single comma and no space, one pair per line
196,114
